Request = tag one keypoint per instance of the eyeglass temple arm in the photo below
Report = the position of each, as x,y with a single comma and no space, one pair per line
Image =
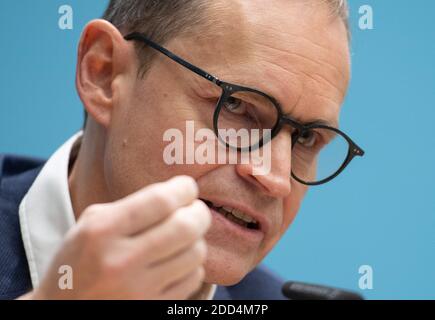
169,54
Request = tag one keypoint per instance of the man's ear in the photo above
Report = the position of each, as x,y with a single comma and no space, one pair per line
103,55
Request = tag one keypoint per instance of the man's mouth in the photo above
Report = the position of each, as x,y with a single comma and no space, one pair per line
234,215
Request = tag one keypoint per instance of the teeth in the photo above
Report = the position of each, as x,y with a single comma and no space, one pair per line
239,214
234,215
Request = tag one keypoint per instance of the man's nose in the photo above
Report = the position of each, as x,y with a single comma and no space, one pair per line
276,182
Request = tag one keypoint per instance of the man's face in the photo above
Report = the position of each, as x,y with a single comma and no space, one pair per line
291,50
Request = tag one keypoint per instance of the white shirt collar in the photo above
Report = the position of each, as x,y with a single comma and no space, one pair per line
46,214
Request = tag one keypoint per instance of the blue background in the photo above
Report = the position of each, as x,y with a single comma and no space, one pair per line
381,212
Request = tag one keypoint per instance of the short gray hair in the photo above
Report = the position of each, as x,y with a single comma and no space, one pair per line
162,20
340,9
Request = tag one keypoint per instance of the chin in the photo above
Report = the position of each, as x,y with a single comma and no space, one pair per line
225,267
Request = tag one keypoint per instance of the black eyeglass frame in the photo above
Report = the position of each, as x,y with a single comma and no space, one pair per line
228,89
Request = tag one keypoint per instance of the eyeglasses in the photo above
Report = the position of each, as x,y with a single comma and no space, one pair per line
319,152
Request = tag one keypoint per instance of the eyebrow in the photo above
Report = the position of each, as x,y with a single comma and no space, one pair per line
323,122
316,121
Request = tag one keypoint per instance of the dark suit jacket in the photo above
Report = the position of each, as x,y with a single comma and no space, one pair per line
16,177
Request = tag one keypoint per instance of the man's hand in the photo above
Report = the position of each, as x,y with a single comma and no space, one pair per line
148,245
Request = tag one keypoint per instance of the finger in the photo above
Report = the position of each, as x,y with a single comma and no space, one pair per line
176,234
186,287
153,204
175,269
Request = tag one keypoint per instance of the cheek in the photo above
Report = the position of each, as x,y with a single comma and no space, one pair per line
290,209
134,153
292,204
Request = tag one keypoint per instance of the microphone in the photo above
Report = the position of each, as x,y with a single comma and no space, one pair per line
305,291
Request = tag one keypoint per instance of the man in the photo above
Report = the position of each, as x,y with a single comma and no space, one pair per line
110,210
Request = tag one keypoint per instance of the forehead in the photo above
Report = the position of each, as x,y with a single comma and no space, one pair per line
293,50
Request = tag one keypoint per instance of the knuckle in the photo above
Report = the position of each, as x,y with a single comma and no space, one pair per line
115,266
133,217
207,217
202,206
199,251
152,244
160,198
90,211
93,228
86,231
112,268
186,227
203,212
188,183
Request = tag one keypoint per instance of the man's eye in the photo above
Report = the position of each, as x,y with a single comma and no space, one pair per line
308,139
235,105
